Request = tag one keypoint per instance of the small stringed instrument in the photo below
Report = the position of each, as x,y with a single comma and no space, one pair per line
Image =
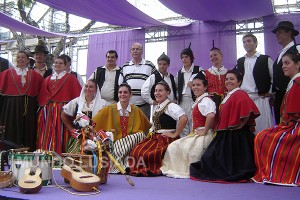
79,179
31,182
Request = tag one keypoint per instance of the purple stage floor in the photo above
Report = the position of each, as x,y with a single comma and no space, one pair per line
154,188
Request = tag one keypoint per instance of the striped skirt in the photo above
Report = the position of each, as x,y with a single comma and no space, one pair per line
146,157
277,155
51,133
122,149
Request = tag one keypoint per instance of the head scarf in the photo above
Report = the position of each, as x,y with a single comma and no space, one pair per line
97,98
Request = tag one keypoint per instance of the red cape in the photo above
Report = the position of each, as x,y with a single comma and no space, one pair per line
237,107
289,106
66,89
10,83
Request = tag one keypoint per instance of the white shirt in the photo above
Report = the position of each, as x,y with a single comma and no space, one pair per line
173,110
108,88
147,86
186,90
206,104
213,70
285,49
127,111
229,94
248,84
56,76
70,107
20,71
145,69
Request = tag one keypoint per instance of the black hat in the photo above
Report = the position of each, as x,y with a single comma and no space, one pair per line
188,51
286,25
164,57
41,48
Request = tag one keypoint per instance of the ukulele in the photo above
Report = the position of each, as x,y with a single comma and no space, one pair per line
31,182
79,179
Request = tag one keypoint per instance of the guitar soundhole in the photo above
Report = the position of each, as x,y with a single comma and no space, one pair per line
29,181
85,176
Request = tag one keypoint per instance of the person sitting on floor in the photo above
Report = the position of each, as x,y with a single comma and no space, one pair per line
181,153
127,122
89,103
229,157
146,157
277,149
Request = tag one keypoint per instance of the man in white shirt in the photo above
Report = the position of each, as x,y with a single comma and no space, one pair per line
107,77
186,96
285,35
148,88
257,70
135,73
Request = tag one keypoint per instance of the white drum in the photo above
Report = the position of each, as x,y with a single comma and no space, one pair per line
20,161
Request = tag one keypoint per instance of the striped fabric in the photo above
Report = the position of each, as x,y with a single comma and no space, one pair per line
122,149
51,133
277,155
146,157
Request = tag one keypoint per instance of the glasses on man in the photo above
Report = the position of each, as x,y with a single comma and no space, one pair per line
136,49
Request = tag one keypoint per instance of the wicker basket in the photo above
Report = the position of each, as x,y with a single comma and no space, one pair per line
88,164
6,179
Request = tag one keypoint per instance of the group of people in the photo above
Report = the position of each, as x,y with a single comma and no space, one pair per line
209,125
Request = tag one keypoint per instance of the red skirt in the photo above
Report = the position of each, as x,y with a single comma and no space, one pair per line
277,155
146,157
52,135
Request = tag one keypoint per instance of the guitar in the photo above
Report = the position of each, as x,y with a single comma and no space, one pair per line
79,179
31,182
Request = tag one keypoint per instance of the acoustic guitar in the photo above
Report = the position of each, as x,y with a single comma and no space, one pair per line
79,179
31,182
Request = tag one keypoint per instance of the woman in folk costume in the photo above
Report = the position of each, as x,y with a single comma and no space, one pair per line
216,76
182,152
146,157
277,149
127,122
19,88
57,90
89,103
230,157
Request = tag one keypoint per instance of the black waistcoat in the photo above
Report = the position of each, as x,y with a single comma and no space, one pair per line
181,83
261,73
100,78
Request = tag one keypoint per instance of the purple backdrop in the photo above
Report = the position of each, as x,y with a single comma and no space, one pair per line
201,36
120,41
272,48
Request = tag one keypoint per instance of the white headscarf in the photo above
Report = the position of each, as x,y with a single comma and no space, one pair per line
97,98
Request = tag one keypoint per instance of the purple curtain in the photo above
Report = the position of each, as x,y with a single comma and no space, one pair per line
220,10
201,35
116,12
272,48
120,41
13,24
